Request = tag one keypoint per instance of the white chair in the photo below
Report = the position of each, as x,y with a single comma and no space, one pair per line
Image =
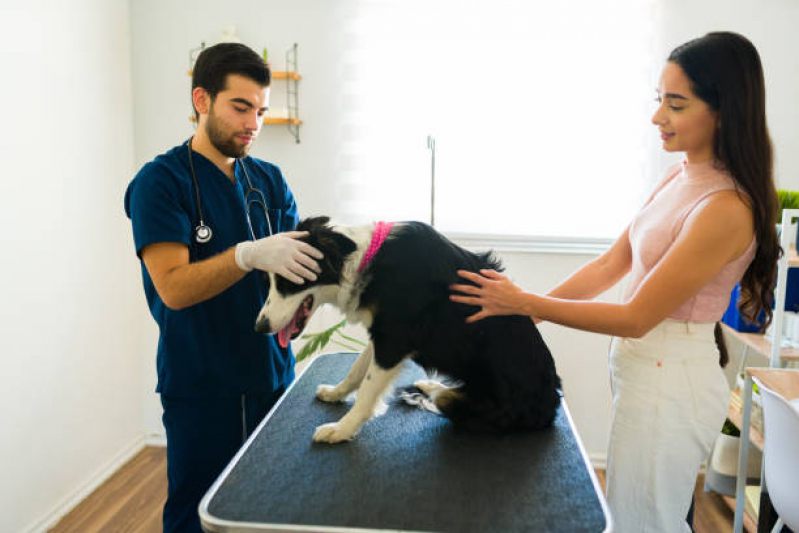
781,456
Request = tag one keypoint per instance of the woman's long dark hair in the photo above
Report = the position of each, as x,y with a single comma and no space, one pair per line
725,71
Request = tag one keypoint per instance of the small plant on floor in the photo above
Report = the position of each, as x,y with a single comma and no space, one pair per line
317,341
730,429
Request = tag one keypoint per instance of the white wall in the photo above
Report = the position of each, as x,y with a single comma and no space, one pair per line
70,380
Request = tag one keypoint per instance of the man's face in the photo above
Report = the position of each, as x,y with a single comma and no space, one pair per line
235,116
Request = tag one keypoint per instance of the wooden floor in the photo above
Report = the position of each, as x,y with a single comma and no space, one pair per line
711,514
131,501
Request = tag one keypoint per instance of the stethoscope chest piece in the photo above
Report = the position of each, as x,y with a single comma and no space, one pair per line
202,233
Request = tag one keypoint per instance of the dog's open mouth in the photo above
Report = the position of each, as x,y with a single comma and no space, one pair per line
297,323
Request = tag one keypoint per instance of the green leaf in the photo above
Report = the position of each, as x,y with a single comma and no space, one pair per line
347,346
787,200
730,429
317,341
352,339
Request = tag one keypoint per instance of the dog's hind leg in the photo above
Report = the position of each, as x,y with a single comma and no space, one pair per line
330,393
370,395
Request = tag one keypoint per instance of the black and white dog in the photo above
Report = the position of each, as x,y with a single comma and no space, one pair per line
504,373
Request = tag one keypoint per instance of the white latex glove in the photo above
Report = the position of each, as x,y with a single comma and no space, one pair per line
282,254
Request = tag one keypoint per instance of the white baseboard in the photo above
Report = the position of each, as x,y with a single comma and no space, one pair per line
598,460
155,439
80,493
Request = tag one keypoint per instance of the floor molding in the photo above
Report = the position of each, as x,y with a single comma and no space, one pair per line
80,493
155,439
598,460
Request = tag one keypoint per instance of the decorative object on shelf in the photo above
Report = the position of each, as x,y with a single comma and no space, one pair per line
724,459
228,35
732,317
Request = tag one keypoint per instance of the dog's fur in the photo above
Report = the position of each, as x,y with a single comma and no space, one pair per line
504,373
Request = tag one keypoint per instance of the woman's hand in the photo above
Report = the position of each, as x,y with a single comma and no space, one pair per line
492,291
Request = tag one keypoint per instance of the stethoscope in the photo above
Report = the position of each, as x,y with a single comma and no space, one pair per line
203,232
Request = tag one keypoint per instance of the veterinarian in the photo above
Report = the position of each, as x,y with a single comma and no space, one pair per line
708,225
206,218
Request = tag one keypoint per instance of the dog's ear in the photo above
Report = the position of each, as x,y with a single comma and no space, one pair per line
343,243
312,223
335,247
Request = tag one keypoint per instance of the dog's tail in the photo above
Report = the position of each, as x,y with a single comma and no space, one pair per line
481,414
491,415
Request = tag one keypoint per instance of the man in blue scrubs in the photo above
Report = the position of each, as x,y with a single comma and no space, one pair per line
216,376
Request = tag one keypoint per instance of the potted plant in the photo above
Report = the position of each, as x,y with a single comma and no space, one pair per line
724,459
317,341
787,200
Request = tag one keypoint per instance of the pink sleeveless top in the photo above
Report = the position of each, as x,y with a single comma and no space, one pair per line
658,224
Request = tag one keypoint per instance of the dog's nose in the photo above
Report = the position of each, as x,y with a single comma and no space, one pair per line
262,325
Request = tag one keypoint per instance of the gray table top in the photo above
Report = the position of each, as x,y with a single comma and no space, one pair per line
408,470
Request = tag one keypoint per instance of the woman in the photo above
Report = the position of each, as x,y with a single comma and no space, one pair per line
708,225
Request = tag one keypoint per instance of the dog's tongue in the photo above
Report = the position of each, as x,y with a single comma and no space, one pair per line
284,335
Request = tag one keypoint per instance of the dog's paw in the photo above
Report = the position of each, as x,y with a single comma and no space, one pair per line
380,409
328,393
331,433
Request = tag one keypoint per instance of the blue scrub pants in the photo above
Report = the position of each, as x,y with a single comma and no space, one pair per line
203,435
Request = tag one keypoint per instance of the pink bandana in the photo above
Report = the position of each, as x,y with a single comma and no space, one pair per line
378,238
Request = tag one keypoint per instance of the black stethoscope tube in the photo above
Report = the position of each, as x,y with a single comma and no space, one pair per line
203,232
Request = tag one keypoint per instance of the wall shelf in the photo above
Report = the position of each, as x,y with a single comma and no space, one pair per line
283,75
777,355
276,75
760,344
270,120
275,120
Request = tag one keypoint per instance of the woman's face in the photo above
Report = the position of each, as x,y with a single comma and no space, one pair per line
686,123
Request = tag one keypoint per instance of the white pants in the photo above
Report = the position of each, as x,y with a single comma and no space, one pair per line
670,399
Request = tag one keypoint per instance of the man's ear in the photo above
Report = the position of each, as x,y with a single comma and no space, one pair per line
201,100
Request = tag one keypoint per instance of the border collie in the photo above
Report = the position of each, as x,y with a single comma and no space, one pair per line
395,281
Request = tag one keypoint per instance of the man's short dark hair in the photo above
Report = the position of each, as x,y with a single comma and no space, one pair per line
215,63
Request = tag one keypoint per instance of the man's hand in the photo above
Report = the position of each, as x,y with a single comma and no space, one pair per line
282,254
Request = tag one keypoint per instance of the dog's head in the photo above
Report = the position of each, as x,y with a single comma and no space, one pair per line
288,305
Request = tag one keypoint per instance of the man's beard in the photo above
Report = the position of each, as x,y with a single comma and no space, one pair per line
226,145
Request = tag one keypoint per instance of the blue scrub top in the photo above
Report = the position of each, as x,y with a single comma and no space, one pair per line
211,348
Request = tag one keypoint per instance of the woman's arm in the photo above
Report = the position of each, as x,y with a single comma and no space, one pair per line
715,234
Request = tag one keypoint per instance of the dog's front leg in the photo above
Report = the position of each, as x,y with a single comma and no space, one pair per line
329,393
369,396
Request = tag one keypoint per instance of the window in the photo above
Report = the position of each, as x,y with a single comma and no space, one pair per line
540,111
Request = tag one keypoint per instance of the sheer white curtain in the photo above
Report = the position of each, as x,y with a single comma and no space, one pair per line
540,112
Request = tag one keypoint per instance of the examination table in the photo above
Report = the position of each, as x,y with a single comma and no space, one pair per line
408,470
